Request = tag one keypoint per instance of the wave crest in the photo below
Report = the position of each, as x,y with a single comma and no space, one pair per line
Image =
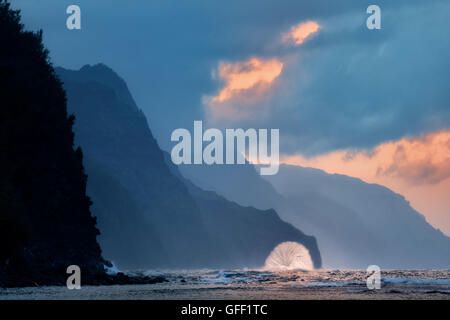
289,256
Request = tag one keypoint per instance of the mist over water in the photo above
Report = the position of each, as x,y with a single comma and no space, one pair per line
289,256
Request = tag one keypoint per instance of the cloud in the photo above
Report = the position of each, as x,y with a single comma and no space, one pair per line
418,168
300,32
348,73
415,161
421,161
242,76
246,84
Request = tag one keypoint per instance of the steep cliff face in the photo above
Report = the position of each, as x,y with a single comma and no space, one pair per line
195,228
356,224
248,234
115,134
242,184
127,238
45,222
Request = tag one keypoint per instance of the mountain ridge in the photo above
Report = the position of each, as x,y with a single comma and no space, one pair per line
351,233
119,140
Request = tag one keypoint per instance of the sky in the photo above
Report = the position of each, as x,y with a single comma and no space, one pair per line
373,104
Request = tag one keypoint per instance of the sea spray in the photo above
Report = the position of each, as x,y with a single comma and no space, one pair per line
289,256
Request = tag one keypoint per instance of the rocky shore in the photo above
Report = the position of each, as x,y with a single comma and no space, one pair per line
17,280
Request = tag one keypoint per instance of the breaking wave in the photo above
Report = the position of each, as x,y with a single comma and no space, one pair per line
289,256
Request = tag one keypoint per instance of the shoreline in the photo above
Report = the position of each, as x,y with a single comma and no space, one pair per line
252,285
169,292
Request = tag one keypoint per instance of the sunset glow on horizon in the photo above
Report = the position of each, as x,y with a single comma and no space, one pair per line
417,168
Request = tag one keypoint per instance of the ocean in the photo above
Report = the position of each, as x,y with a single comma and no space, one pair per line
258,285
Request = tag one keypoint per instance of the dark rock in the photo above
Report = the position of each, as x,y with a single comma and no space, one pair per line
45,221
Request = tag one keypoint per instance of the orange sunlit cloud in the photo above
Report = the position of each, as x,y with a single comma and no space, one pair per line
245,84
300,32
417,168
246,75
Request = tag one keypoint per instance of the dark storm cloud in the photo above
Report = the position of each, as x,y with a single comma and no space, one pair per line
358,94
348,87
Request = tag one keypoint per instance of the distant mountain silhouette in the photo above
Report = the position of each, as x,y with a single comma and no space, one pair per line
359,224
249,234
45,222
356,224
240,183
192,228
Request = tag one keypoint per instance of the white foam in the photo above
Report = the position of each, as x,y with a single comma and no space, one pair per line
222,278
112,271
289,256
